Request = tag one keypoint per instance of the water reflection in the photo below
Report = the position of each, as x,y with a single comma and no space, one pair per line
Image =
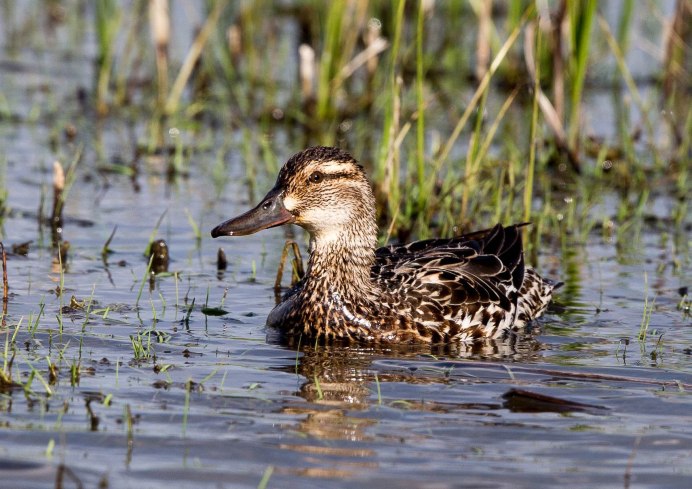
337,374
342,387
336,385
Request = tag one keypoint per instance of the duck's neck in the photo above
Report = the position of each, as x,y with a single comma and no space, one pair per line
340,263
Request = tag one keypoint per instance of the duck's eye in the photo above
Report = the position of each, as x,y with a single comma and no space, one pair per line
316,177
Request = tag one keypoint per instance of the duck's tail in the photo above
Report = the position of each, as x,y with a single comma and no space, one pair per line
534,297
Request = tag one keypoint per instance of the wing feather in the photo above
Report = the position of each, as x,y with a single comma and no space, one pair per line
452,278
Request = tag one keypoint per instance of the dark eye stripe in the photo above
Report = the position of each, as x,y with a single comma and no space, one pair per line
333,176
318,177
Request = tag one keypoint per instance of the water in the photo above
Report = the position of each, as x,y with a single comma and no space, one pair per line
219,403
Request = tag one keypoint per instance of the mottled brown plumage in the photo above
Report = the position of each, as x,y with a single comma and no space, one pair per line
434,291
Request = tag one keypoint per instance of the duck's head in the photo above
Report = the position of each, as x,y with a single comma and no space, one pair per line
321,189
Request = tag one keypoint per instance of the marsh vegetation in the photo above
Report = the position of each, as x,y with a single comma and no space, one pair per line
129,128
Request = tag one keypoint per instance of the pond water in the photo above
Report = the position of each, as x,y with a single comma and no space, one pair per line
153,389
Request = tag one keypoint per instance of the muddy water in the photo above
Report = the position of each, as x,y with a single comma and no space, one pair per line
215,402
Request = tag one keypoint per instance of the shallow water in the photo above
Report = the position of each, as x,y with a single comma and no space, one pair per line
219,403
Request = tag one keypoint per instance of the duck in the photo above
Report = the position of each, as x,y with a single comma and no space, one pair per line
470,287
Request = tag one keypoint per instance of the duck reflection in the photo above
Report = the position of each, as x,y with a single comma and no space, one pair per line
342,385
345,375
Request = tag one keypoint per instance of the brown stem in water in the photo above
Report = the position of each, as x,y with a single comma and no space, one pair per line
221,260
64,472
297,264
58,188
5,284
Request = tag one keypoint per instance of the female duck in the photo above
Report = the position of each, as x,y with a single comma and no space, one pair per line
437,290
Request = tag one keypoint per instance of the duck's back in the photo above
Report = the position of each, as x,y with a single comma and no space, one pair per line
459,288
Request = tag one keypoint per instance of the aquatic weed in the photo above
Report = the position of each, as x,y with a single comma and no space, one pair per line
145,277
186,405
264,482
580,16
379,392
108,17
646,314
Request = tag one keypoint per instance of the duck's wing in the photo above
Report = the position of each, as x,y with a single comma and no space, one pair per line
452,279
394,253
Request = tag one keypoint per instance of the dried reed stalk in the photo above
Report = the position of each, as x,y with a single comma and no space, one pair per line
192,57
160,24
306,57
5,283
550,113
483,41
58,200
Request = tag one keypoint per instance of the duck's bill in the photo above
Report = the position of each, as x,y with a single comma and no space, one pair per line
268,214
